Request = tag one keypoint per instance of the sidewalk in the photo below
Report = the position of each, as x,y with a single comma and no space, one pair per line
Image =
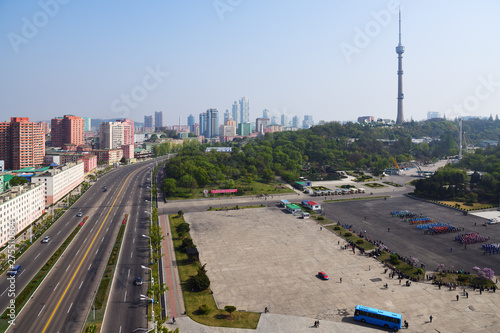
174,301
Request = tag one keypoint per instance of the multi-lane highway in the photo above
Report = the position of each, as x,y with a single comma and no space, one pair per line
62,301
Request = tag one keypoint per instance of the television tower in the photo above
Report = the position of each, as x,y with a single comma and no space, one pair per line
400,49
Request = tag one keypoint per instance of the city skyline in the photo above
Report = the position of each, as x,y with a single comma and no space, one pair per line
336,64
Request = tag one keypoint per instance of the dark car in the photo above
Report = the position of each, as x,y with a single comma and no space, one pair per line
323,276
138,282
46,239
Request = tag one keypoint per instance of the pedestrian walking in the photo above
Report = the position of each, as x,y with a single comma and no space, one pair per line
451,249
467,294
430,318
340,280
173,320
406,324
369,268
458,297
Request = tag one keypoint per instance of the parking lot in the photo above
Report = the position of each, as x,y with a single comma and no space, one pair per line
264,257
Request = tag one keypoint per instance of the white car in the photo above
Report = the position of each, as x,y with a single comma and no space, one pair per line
46,239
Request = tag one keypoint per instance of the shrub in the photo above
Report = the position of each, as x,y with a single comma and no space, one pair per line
204,309
360,241
420,271
394,259
321,218
336,227
348,234
183,229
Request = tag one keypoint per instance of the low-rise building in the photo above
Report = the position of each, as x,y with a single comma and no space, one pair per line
108,156
19,207
60,180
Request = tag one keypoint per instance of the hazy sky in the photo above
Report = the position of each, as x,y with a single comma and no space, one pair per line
334,60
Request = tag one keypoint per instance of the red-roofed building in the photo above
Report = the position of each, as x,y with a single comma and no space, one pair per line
313,205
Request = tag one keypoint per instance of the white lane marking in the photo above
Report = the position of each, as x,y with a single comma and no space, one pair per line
68,267
80,285
120,331
56,286
8,287
85,239
89,266
135,229
102,240
133,240
128,275
37,256
96,251
77,251
58,232
125,298
131,253
107,229
41,310
70,307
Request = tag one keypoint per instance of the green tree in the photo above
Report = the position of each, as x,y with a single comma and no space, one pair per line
201,281
17,180
123,160
169,187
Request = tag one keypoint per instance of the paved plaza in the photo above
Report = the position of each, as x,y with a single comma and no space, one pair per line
264,257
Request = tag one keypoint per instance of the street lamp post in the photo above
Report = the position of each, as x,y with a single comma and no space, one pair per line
152,300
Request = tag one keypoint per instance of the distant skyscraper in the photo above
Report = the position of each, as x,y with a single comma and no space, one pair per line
295,121
209,123
307,122
45,126
274,120
236,110
67,129
261,124
110,135
191,122
148,122
265,113
87,124
433,115
284,120
158,119
227,116
400,49
128,131
245,110
22,143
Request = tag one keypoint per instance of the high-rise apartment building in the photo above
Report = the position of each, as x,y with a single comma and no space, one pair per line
261,124
245,110
45,126
236,110
227,116
87,126
265,113
295,121
191,122
148,122
22,143
158,119
128,131
67,130
110,135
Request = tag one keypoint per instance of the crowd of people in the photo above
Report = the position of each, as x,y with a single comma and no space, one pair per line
471,238
491,248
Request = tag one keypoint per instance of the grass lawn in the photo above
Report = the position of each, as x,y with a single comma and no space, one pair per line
464,279
393,184
193,300
462,205
360,242
375,185
401,266
254,188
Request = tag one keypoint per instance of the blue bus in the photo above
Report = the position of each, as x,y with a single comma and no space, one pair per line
377,317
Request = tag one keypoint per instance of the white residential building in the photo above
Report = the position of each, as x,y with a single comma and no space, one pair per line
60,181
111,135
19,207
